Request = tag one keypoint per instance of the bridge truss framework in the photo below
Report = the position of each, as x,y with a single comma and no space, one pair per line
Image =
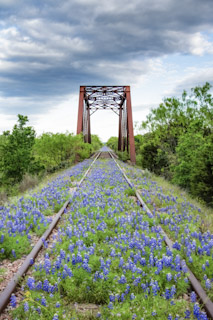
115,98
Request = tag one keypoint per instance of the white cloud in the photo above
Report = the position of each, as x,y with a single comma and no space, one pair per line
8,3
49,48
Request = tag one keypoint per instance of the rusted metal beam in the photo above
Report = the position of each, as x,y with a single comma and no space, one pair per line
88,126
120,130
130,126
80,110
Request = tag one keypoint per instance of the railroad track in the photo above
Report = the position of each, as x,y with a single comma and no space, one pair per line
120,175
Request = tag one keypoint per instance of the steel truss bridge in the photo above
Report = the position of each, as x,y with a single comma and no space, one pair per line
115,98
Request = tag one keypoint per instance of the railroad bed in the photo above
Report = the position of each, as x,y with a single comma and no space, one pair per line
107,258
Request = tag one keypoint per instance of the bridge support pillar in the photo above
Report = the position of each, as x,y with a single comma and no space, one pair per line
80,110
120,138
130,135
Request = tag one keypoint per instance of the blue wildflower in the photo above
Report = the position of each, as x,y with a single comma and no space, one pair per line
196,310
132,296
110,306
13,300
26,306
193,296
187,314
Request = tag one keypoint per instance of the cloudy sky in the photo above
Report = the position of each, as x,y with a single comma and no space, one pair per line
48,48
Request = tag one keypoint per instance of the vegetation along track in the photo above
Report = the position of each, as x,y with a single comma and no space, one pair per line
109,259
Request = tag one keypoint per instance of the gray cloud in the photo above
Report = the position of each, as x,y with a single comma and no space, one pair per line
48,48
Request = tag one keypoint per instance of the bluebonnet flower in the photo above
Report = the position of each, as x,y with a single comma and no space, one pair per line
46,285
45,243
57,304
187,314
26,306
193,296
173,290
79,258
203,316
186,280
38,286
190,259
13,253
43,302
137,281
122,298
38,309
110,306
55,317
176,245
122,279
169,276
208,284
121,262
13,300
47,265
167,294
2,238
196,310
132,296
111,297
31,283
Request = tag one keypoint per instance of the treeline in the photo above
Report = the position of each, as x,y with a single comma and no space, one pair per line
178,143
23,156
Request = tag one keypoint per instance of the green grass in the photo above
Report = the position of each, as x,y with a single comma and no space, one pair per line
2,273
207,212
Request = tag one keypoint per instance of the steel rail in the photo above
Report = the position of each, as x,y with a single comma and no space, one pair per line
6,293
208,304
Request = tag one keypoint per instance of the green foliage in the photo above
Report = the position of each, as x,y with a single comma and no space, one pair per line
178,144
16,157
54,151
96,142
123,155
194,170
14,246
24,158
130,192
112,143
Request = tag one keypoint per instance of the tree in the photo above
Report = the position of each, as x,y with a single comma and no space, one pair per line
16,151
194,169
112,143
178,144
